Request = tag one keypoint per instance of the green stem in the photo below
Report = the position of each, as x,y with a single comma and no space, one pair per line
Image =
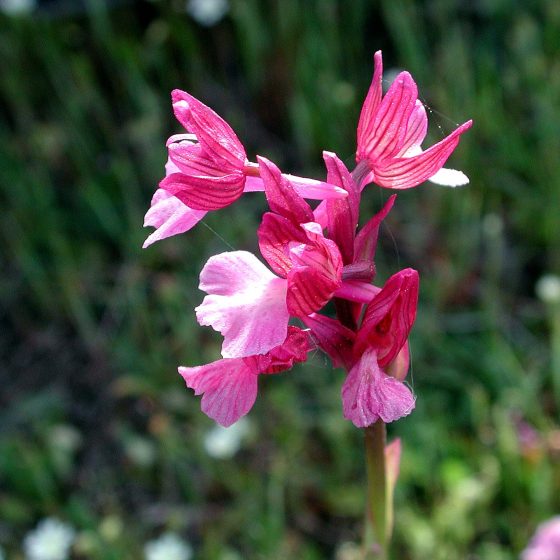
376,531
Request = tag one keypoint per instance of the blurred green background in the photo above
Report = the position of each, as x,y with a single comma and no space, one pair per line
97,428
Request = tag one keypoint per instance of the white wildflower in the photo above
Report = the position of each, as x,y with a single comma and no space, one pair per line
50,540
207,12
548,288
167,547
224,443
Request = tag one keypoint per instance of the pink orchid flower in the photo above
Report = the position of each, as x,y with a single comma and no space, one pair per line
376,357
391,130
369,393
215,172
229,386
249,304
545,544
167,213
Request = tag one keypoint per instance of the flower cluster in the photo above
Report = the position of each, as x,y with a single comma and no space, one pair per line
314,255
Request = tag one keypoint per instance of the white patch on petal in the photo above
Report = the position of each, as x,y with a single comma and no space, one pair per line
449,178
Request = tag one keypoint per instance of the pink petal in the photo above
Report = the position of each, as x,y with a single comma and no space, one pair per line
398,368
253,184
214,134
333,338
308,291
357,291
191,159
388,130
343,214
321,216
204,193
304,187
293,349
416,129
365,244
319,252
408,172
170,216
229,388
311,188
368,394
389,316
316,274
246,303
191,138
281,197
275,235
370,107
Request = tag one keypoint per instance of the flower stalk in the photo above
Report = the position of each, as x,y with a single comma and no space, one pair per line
376,536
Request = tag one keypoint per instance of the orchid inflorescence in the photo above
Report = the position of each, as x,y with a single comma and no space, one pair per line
314,255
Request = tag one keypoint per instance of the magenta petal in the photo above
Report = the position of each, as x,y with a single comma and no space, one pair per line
304,187
204,193
416,129
368,394
389,317
308,290
343,214
398,368
280,195
333,338
229,388
246,303
213,133
253,184
370,107
293,349
191,159
170,216
311,188
320,215
408,172
365,243
275,235
389,127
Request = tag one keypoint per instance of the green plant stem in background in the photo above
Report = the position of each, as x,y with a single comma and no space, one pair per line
376,537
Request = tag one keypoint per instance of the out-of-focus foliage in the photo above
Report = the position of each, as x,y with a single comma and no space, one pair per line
96,427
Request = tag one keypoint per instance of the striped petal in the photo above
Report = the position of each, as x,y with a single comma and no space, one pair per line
205,193
408,172
369,394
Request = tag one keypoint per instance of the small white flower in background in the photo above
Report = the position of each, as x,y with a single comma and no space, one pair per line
50,540
224,443
17,7
545,544
548,288
167,547
207,12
